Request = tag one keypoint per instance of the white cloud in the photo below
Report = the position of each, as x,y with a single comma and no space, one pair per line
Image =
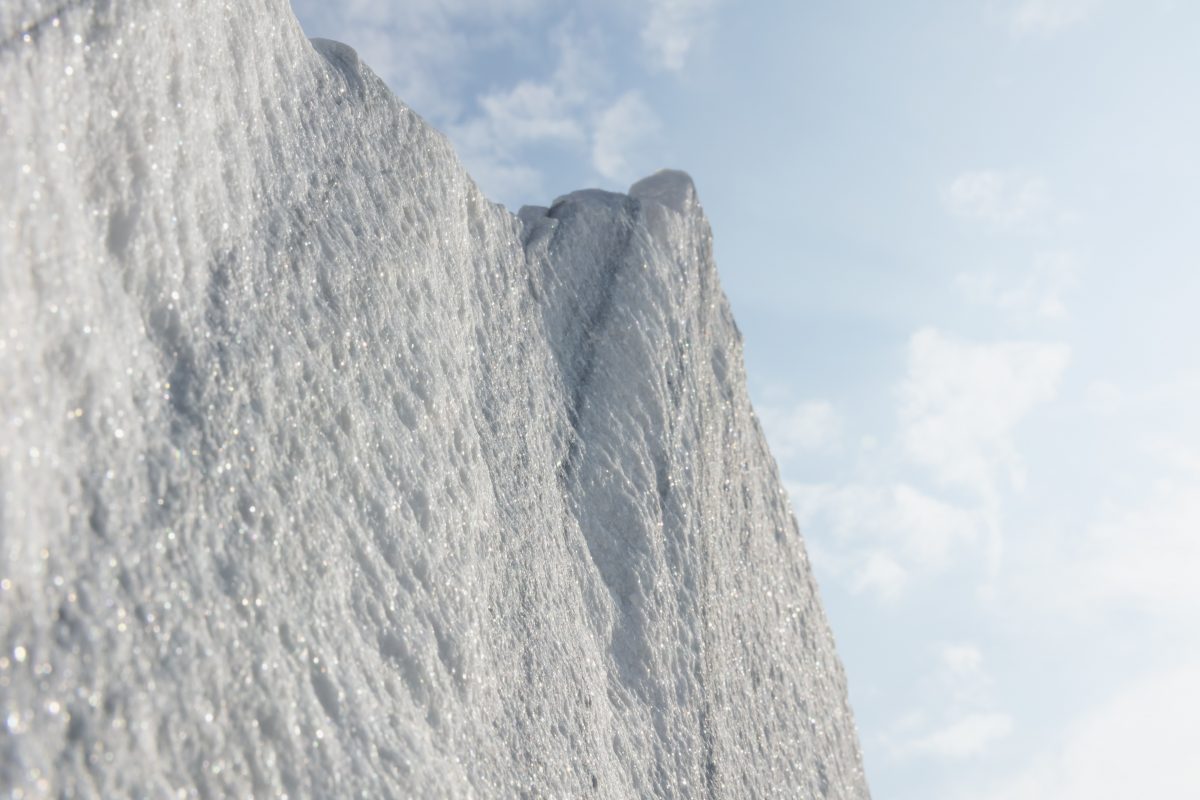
528,114
961,659
532,112
1039,293
931,527
801,428
1143,558
620,130
1003,200
503,176
964,737
876,538
969,724
568,109
961,402
961,677
1141,743
1132,559
1050,16
673,27
878,573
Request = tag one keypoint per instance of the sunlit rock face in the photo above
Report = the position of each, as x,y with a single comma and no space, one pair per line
322,476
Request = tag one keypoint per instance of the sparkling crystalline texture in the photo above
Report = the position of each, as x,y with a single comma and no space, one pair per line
321,475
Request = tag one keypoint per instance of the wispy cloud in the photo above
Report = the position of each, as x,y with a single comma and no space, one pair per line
494,138
958,719
1040,292
968,736
876,538
960,405
620,129
1045,17
1147,557
1005,201
532,112
877,572
1137,559
961,402
673,27
800,428
1141,743
1132,552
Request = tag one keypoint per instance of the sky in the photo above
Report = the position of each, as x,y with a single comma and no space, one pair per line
961,242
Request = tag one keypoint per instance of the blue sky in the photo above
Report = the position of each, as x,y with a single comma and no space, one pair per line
961,241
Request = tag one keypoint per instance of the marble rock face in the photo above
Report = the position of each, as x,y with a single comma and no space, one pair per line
323,476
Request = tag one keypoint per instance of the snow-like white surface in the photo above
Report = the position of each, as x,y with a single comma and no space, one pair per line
321,475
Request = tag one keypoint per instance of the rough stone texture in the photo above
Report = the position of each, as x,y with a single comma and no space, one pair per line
321,475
